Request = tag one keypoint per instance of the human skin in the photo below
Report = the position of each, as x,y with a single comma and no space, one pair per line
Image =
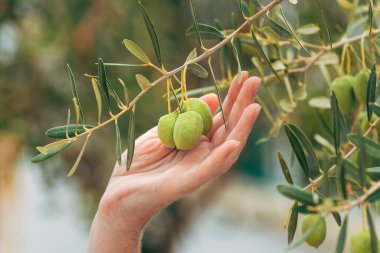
159,175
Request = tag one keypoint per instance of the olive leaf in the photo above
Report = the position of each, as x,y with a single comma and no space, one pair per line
264,55
291,31
103,82
195,23
79,158
118,142
293,221
372,147
207,32
50,150
217,92
197,70
371,91
143,82
374,196
74,91
278,29
339,124
127,97
236,54
342,236
152,33
362,157
341,179
298,150
298,194
325,23
62,132
308,29
136,51
372,230
285,168
131,138
244,8
370,16
192,55
98,98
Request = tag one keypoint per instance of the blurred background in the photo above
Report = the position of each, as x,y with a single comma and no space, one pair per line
41,210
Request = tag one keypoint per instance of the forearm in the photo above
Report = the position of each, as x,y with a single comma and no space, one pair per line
104,238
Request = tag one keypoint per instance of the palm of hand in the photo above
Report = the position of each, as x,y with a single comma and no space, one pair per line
159,175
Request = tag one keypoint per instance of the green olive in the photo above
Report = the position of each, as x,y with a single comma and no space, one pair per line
166,129
187,130
360,85
199,106
343,88
361,243
319,234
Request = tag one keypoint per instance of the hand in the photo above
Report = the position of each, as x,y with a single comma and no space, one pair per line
159,176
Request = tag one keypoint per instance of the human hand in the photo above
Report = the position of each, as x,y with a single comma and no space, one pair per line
159,176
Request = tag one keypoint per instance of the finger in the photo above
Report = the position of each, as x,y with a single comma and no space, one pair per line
233,93
209,168
246,97
212,102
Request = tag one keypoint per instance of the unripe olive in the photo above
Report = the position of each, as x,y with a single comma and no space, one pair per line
343,88
187,130
360,85
319,234
361,243
166,129
200,106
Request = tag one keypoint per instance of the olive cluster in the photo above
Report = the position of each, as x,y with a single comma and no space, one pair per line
184,130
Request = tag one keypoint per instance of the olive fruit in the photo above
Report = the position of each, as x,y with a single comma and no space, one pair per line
361,243
166,129
199,106
319,234
360,85
187,130
343,88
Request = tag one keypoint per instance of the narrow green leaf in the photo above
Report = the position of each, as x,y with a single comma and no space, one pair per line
74,91
131,138
352,170
79,158
370,16
326,181
285,168
114,94
127,97
143,82
311,157
375,109
67,125
123,64
195,23
293,221
292,32
217,92
325,23
306,234
337,218
207,32
372,147
374,173
59,132
298,194
372,230
279,29
197,70
342,236
118,142
97,97
77,111
336,122
298,150
244,8
136,51
50,150
103,82
362,158
341,179
236,54
152,33
371,91
264,56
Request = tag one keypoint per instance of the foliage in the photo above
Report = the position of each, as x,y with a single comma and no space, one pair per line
283,54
